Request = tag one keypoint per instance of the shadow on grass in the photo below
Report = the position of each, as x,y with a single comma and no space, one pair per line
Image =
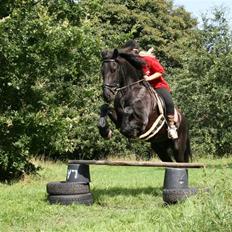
219,166
115,191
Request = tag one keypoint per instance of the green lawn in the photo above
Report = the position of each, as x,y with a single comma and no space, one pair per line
125,199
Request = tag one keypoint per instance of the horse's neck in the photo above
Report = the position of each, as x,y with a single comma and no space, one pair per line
128,76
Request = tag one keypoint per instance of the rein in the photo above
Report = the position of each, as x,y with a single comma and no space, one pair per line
127,86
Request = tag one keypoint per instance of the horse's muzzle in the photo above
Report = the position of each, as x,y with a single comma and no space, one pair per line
108,95
129,133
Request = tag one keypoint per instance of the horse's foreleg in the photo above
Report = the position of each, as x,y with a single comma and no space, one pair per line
103,126
113,116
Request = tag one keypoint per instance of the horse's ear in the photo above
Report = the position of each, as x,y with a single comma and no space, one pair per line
115,53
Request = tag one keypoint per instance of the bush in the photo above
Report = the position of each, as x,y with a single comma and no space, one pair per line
203,87
50,90
46,52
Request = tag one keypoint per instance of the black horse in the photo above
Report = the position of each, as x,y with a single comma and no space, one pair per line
136,109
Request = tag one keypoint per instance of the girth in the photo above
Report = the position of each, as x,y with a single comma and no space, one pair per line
159,122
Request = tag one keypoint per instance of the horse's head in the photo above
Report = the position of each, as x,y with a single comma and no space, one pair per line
119,68
109,73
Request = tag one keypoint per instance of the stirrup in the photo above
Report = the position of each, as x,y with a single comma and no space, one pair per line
172,132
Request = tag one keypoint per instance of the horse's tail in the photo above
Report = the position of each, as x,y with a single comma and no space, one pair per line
188,151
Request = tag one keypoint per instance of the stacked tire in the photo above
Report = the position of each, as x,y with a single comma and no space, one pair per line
172,196
66,193
176,186
75,190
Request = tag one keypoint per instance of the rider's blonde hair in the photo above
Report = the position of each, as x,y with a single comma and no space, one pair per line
147,53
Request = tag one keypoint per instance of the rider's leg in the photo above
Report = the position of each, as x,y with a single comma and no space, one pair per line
172,130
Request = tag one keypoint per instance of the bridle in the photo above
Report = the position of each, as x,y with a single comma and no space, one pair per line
116,88
112,88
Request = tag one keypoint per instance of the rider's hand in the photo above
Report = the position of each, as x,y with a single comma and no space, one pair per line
146,77
153,76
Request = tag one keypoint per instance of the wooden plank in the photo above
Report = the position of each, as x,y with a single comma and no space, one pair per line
138,163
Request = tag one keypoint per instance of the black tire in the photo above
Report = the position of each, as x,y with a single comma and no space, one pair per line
67,188
86,199
171,196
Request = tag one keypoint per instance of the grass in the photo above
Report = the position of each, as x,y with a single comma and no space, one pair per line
125,199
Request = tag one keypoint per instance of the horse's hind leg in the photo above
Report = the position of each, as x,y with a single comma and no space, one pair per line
182,148
178,151
162,150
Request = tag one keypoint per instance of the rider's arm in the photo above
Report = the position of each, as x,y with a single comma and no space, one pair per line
153,76
156,70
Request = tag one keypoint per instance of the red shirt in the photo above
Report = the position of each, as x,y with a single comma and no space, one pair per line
153,66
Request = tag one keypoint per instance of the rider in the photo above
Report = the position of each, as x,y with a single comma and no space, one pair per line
153,73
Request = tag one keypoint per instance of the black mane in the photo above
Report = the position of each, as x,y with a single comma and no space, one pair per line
133,59
133,64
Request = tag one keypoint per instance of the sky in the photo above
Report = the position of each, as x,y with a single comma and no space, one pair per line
197,7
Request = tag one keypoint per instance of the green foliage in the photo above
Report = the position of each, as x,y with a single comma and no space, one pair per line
203,87
154,23
50,90
47,55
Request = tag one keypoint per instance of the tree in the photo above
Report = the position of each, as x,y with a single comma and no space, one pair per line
155,24
50,90
47,54
203,86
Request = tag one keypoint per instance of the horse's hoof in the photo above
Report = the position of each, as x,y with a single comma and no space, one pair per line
102,122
